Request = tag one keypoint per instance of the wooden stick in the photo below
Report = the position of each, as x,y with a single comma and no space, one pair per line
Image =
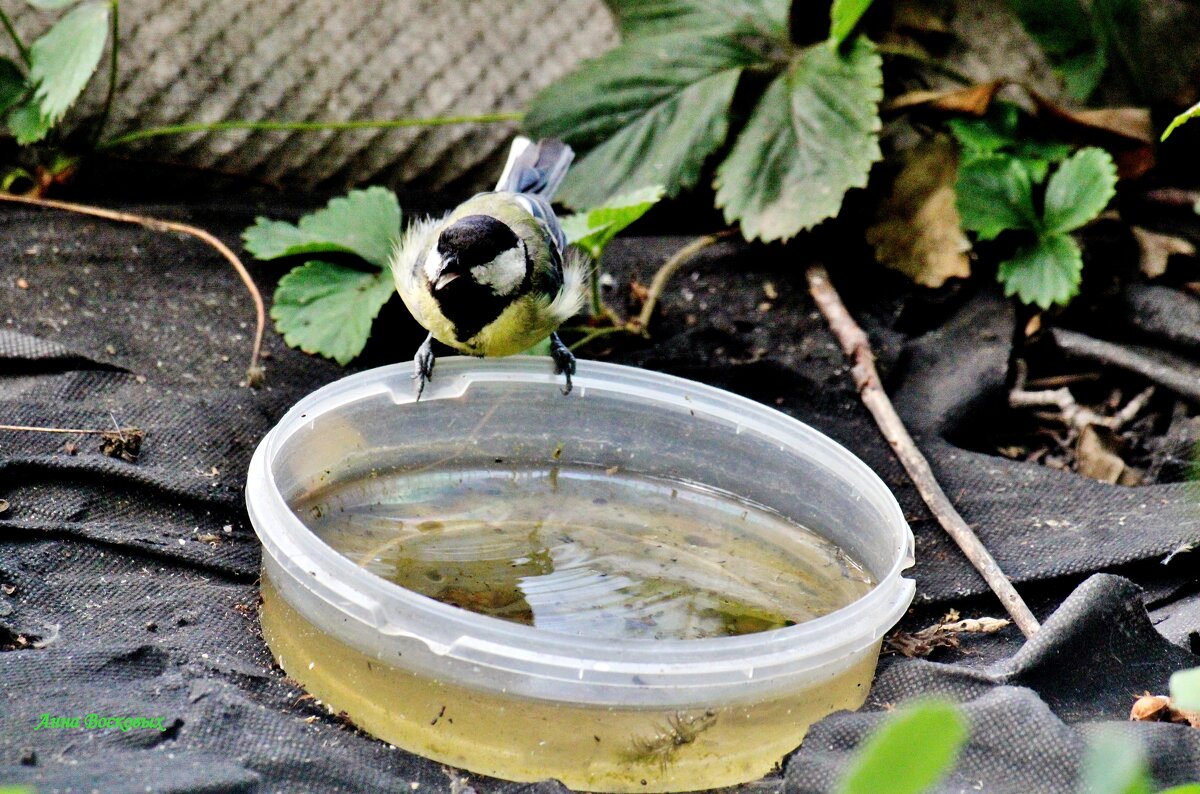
254,372
857,348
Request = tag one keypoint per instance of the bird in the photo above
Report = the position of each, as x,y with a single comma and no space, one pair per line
495,275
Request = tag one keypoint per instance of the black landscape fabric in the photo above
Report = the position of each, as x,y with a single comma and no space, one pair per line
130,588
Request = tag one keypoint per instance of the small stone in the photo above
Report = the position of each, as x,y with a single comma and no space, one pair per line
22,283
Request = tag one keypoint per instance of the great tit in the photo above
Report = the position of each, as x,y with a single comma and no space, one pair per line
495,276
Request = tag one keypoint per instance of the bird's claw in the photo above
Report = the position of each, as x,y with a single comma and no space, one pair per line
423,365
564,360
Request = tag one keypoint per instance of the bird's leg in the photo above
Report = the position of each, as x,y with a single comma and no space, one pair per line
564,360
423,365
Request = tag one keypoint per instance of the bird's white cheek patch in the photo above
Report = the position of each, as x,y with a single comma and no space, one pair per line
504,273
433,264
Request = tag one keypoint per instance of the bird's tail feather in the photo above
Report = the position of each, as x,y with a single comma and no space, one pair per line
536,168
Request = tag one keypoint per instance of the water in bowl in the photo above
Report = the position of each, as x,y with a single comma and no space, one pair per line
587,551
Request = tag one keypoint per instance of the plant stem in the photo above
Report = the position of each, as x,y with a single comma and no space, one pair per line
70,430
597,303
272,126
659,283
16,39
595,333
857,348
254,373
112,73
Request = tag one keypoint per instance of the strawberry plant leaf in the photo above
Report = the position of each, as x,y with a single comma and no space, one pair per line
1114,765
844,15
12,84
909,753
27,124
1190,113
327,309
650,111
64,58
1079,190
812,137
995,193
363,222
650,17
592,230
1045,273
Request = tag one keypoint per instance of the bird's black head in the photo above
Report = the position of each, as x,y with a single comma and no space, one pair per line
477,267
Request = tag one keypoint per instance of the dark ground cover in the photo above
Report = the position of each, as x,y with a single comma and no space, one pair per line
139,579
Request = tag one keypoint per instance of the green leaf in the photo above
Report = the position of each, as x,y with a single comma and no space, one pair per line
592,230
812,137
844,15
1186,788
12,84
909,753
650,111
363,222
651,17
63,60
1114,765
1045,273
1065,32
51,5
995,193
1079,190
328,309
542,348
1190,113
27,124
1185,689
1006,129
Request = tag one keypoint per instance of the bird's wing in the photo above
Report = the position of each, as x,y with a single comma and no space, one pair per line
536,169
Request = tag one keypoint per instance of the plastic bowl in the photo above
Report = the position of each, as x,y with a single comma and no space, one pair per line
526,704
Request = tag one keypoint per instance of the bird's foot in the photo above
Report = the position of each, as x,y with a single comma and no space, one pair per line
423,365
564,360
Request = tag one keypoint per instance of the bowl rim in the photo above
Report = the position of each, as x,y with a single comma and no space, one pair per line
332,575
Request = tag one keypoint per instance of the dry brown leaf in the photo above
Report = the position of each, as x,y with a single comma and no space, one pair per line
917,229
943,634
1157,249
1158,708
1127,133
1097,455
972,100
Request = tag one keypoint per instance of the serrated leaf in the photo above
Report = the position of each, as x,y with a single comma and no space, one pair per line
995,193
1185,689
363,222
1114,765
917,230
650,111
1065,32
1190,113
592,230
327,309
1045,273
65,57
651,17
812,137
27,124
1079,190
12,84
844,15
51,5
1005,129
913,749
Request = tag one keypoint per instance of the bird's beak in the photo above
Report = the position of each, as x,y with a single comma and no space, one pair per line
447,274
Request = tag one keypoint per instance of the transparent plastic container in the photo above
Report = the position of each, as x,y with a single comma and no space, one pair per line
521,703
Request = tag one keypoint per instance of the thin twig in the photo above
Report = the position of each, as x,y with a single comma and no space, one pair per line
1070,412
254,372
71,430
306,126
659,283
16,38
857,348
593,334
